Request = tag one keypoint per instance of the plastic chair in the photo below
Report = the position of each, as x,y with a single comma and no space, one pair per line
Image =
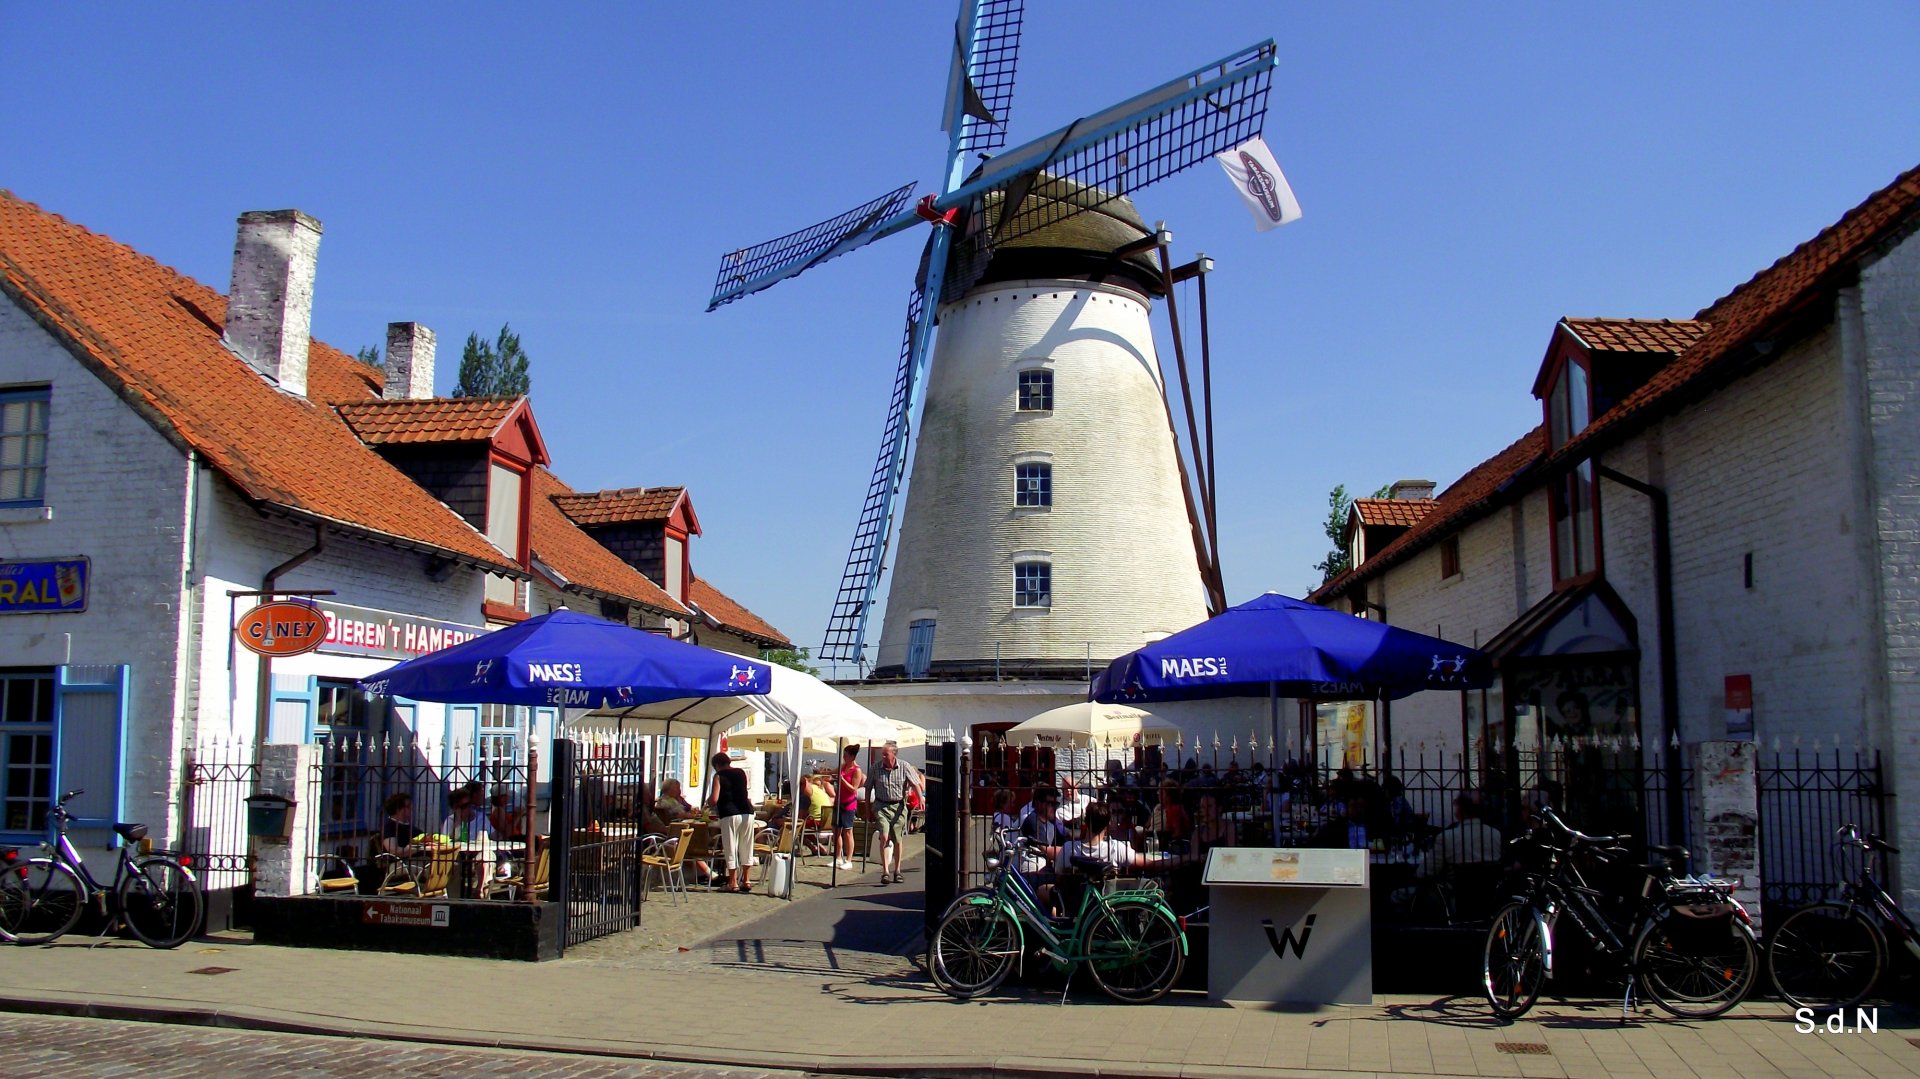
346,881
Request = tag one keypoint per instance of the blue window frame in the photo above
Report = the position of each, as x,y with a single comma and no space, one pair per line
919,647
1033,584
23,446
1033,485
61,729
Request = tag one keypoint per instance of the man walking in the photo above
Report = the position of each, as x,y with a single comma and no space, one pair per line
887,788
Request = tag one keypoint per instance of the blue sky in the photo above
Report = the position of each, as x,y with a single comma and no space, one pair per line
1469,174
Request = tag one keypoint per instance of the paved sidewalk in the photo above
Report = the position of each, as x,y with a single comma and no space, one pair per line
817,987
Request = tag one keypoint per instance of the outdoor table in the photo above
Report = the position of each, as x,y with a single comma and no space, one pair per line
1289,925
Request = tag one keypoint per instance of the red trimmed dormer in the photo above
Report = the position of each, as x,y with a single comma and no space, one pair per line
648,527
472,453
1591,365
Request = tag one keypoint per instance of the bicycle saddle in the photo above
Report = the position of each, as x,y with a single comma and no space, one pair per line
132,833
1874,842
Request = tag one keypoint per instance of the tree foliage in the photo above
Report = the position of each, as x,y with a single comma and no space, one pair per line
796,658
1339,508
496,368
370,355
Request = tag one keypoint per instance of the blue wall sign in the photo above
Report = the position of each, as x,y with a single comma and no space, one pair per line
56,586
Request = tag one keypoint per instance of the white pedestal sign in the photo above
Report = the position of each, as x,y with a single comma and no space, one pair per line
1289,926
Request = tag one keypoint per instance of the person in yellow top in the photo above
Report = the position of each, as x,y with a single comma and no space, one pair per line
818,791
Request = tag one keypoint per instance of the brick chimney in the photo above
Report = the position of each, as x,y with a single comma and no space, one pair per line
409,362
1409,489
270,306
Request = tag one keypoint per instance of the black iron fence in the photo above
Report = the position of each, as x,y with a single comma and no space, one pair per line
1434,823
400,818
599,801
1805,796
218,776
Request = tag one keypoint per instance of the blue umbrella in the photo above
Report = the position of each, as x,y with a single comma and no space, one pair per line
570,660
1276,646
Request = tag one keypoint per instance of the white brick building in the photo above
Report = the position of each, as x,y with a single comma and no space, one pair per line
1777,429
162,449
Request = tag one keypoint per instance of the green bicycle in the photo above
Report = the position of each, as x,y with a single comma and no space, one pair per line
1128,939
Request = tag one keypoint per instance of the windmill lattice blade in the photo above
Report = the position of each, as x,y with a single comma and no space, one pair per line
989,71
751,269
846,627
1114,153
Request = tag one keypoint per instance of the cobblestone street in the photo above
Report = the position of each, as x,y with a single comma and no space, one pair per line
54,1045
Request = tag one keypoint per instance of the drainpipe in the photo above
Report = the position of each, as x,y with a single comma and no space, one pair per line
264,704
1669,662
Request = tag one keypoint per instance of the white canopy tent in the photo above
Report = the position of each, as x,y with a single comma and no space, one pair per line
1088,724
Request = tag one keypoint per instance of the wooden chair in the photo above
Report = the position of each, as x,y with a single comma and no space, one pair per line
670,867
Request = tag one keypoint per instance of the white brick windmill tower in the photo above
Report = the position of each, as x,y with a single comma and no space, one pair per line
1048,522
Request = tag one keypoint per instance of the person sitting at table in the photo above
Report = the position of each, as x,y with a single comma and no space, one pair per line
1353,831
672,806
466,822
1470,841
397,831
1096,845
1170,823
1073,804
506,820
1004,819
818,791
1210,829
1045,834
1032,801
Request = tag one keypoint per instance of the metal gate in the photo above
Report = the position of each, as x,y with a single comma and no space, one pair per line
1804,798
218,777
598,795
943,833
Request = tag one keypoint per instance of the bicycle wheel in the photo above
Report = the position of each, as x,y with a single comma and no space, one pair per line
1696,968
1827,956
39,901
160,902
973,950
1135,952
1515,966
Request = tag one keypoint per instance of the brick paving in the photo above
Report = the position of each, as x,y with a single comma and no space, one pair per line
832,985
60,1045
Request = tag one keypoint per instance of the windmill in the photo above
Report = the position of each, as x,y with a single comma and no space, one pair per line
1053,213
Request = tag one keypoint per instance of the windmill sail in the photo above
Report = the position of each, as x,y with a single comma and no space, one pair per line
846,627
982,76
751,269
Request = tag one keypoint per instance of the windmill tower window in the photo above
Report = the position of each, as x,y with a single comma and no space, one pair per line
919,647
1033,485
1033,584
1036,391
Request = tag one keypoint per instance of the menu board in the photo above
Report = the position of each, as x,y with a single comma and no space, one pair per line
1282,866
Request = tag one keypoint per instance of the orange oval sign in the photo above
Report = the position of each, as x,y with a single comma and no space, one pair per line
281,628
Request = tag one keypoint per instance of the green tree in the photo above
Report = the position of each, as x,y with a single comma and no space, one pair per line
496,368
1339,507
370,355
795,658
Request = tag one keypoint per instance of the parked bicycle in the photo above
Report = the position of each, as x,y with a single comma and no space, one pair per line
1829,956
156,897
1128,939
1685,942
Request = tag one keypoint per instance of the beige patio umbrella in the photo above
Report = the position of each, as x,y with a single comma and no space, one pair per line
1088,724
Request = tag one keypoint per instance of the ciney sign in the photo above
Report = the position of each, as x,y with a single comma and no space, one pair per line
281,628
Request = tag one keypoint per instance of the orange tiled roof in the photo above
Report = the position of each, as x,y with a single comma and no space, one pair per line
1762,306
734,617
1636,334
1469,496
154,334
623,506
1403,512
432,419
1755,310
560,543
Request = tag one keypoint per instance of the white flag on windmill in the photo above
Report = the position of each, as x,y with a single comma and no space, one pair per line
1260,183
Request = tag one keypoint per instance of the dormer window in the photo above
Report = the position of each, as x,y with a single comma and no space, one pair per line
506,524
1574,509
